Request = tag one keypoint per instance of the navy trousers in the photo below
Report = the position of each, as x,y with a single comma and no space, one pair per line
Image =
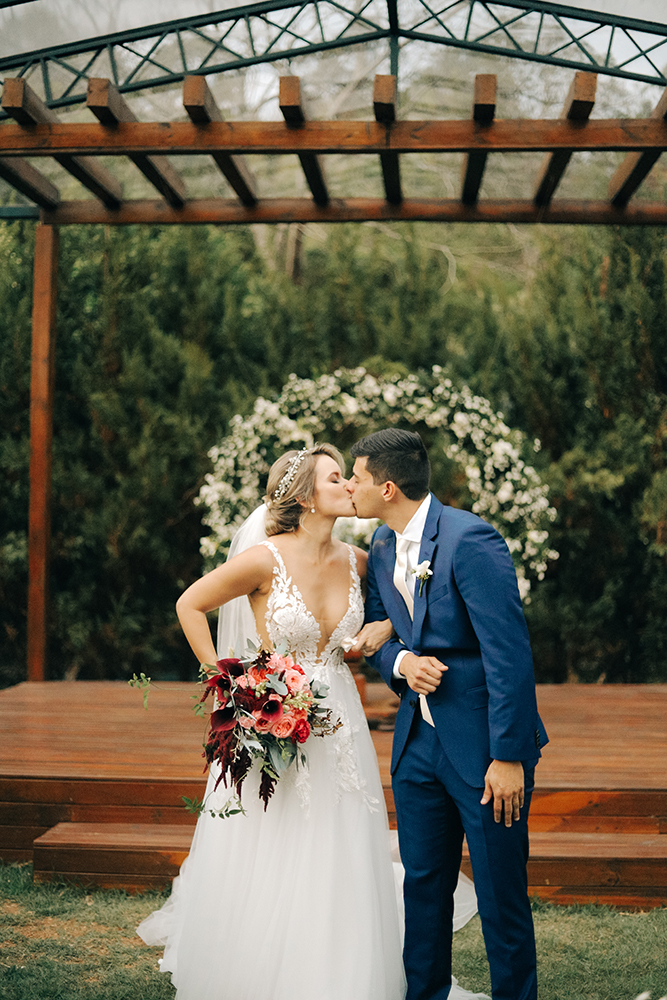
434,808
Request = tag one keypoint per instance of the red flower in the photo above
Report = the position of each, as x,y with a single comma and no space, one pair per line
230,667
222,720
301,731
272,708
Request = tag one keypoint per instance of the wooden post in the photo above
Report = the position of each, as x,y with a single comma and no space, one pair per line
483,113
41,436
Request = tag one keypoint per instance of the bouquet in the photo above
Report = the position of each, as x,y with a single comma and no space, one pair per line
265,710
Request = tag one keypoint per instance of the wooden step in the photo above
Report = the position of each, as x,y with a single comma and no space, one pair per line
132,856
31,806
633,810
618,869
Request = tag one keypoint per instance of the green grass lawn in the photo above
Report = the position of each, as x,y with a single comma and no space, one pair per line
64,943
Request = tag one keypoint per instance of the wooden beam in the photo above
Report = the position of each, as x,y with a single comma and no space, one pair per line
295,117
384,98
23,176
110,108
229,212
41,435
635,167
26,108
384,108
578,106
483,113
349,137
200,105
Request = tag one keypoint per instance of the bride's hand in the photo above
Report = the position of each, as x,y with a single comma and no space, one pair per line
372,636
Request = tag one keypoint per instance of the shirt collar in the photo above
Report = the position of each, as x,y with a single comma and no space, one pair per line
414,529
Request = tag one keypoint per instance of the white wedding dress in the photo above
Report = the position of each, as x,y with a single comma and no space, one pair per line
297,902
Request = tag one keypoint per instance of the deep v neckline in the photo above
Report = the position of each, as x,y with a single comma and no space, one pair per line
289,582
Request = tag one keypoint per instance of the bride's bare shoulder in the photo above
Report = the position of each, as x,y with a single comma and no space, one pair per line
257,558
362,560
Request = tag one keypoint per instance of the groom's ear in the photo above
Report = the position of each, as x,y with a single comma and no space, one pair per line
390,491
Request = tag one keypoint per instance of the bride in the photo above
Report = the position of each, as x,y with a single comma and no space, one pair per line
297,902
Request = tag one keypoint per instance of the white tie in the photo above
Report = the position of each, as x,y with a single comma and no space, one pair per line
401,584
401,573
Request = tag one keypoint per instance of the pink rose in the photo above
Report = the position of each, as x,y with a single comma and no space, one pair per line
278,663
247,721
296,680
284,727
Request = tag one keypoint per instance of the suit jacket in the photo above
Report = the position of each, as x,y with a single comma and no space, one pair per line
469,616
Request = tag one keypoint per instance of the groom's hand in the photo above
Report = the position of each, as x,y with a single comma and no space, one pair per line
503,783
423,673
372,637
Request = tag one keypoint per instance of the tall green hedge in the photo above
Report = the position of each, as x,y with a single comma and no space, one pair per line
164,334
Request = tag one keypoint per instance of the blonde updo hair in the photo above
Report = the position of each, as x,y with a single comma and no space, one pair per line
286,513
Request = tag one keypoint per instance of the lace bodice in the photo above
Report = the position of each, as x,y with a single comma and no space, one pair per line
288,619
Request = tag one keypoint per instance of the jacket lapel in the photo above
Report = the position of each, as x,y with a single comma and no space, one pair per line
426,551
393,602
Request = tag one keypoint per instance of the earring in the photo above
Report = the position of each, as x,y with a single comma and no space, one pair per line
312,510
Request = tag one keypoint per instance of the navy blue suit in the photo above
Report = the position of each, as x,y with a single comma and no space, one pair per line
469,616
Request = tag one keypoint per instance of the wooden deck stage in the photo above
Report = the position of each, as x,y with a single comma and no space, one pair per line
91,786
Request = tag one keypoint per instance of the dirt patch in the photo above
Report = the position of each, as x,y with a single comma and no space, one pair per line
11,909
53,928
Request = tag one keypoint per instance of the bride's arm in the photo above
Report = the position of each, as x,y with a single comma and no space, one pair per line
374,634
244,574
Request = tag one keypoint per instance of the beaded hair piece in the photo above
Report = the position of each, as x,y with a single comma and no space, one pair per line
288,478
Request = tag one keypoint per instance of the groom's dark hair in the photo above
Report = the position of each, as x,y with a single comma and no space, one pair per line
396,456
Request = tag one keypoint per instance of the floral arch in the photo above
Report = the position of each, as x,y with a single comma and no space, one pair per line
489,461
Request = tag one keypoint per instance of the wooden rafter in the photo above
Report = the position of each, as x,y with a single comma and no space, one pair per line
202,109
483,113
23,176
26,108
40,134
270,210
384,108
111,108
578,106
636,166
295,120
347,137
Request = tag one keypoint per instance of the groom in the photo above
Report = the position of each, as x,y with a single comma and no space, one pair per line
467,734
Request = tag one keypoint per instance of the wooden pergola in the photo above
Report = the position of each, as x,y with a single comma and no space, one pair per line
36,131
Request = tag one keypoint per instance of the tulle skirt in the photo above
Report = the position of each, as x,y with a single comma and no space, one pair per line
297,902
302,901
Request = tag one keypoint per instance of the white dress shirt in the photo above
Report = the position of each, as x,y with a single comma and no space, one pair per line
411,537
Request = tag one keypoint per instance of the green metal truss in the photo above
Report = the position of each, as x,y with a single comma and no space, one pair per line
161,54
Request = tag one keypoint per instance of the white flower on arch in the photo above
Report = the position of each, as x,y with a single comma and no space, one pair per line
506,491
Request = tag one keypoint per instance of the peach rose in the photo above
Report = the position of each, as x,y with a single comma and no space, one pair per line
262,724
284,727
256,676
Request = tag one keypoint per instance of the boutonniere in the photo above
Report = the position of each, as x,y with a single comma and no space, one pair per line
422,572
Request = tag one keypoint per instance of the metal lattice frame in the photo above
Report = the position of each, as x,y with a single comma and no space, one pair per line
272,30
